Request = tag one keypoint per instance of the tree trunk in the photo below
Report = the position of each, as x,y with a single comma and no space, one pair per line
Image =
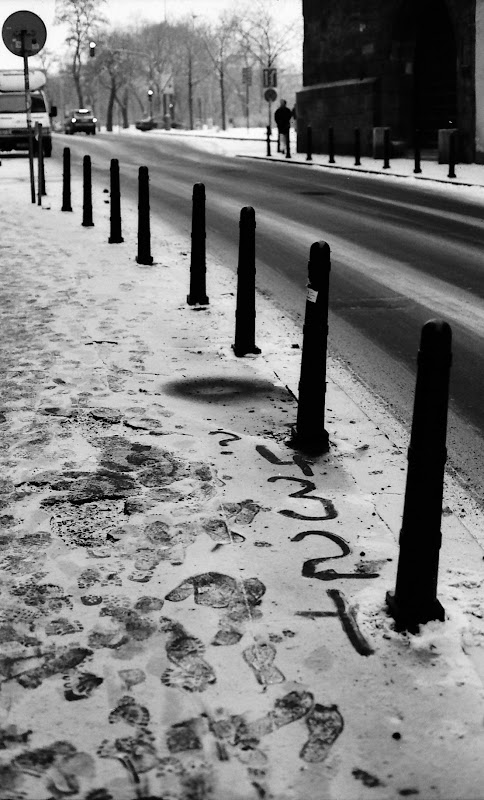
76,77
222,96
110,108
124,108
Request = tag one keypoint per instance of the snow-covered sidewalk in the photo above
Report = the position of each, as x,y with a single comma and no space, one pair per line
189,608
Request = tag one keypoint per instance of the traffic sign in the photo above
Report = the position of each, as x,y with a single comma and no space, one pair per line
270,95
24,33
269,77
247,75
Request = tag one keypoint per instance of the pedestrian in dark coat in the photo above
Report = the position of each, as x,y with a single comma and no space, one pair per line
283,116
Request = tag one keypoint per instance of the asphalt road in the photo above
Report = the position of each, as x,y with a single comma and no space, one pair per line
400,257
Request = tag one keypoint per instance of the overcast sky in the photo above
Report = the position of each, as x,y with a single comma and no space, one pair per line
122,12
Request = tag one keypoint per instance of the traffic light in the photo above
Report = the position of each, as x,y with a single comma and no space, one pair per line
92,49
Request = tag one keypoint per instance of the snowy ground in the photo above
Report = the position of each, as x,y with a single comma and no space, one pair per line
170,627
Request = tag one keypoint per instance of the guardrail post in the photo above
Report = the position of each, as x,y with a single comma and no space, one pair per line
309,143
115,196
386,148
331,145
245,310
87,193
268,139
309,433
357,148
417,155
144,234
414,601
66,180
198,265
452,154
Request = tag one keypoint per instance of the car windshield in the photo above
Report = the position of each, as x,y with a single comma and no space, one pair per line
15,103
82,112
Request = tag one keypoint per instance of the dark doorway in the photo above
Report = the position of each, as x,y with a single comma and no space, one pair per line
423,33
435,88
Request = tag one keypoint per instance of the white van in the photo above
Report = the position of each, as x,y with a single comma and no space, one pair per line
13,114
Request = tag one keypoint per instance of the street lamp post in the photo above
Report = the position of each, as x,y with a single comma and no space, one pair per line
150,99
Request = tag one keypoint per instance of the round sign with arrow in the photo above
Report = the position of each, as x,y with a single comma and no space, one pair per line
24,33
270,95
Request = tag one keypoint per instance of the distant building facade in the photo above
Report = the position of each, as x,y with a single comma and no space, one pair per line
405,64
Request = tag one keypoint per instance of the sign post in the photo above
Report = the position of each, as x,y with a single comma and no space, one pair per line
269,83
270,95
24,34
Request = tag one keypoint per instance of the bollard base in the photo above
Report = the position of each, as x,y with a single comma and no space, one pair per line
243,351
411,619
117,240
197,301
87,224
314,444
66,209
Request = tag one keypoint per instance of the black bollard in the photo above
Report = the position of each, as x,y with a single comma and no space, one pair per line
287,137
245,311
331,145
87,193
386,148
309,143
144,235
416,145
268,139
115,218
66,180
40,165
357,148
198,265
309,433
452,154
414,601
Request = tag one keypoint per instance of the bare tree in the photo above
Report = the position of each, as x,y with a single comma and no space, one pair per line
223,47
262,35
82,18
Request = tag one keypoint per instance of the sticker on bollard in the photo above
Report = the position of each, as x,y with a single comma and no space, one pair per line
312,295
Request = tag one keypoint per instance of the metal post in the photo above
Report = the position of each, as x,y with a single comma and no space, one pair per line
28,103
386,148
268,139
357,148
115,218
452,154
66,180
245,311
309,433
144,234
87,193
309,143
331,145
414,601
198,265
417,154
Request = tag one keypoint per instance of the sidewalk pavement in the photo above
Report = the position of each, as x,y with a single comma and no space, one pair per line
189,608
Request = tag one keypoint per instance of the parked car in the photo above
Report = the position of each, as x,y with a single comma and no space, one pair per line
81,119
156,121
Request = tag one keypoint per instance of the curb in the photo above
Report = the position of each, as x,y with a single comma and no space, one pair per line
448,182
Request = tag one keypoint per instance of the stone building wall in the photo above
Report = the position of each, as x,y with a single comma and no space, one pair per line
369,63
